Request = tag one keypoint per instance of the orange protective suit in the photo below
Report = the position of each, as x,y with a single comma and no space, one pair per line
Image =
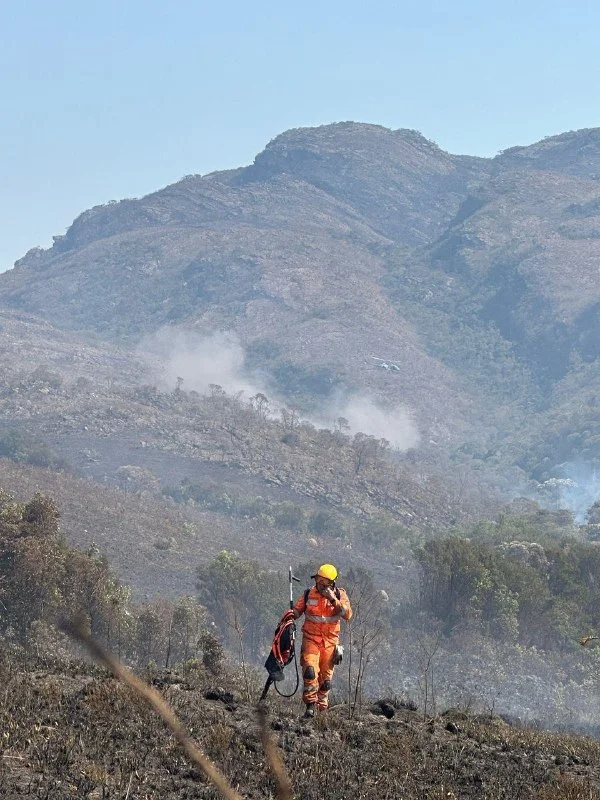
320,635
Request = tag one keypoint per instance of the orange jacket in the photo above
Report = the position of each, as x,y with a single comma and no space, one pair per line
321,617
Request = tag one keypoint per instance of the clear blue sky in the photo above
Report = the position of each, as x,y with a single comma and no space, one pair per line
105,100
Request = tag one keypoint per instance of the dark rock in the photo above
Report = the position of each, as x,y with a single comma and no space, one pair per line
383,707
219,694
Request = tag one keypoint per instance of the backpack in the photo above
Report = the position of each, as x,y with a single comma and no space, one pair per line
283,647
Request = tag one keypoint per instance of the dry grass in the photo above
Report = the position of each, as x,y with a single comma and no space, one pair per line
567,788
72,732
163,709
221,735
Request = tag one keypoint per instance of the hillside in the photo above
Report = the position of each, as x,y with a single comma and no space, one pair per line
473,281
402,184
529,255
288,268
75,732
78,428
478,277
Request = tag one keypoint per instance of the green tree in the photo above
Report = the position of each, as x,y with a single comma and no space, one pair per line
593,514
185,626
41,578
289,515
326,523
245,599
383,530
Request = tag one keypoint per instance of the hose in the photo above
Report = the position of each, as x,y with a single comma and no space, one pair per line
295,660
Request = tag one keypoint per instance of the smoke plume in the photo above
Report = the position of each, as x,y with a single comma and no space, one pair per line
579,488
363,414
177,354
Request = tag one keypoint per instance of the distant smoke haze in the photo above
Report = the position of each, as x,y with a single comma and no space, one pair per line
200,361
363,414
219,358
580,489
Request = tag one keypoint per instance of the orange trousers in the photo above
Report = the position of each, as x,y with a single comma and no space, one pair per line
316,661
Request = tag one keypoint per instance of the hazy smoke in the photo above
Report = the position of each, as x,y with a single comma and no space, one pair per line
219,358
580,488
362,414
199,360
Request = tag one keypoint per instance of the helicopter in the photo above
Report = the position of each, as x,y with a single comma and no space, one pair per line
384,363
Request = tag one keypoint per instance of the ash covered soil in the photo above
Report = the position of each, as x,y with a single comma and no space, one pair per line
69,730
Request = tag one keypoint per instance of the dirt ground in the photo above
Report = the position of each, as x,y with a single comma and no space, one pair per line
72,731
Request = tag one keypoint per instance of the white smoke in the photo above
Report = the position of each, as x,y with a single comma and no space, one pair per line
201,360
364,415
175,353
577,490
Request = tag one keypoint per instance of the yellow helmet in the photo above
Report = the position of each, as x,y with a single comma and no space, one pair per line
326,571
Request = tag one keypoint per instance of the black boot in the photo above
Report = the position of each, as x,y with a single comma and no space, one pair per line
310,711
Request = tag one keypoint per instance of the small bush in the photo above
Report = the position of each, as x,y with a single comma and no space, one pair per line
326,523
165,543
289,515
213,653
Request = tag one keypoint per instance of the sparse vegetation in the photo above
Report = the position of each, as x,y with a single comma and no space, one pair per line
22,447
339,247
70,730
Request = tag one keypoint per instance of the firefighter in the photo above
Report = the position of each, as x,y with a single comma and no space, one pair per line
323,606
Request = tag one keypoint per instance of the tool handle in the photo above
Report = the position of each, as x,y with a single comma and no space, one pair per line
292,578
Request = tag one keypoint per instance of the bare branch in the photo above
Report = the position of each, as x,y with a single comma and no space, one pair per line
155,701
280,773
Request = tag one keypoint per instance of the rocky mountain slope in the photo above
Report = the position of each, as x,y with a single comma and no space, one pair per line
476,277
281,262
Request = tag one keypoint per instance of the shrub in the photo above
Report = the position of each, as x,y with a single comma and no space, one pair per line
289,515
213,654
326,523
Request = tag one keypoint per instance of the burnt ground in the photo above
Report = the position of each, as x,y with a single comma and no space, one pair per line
72,731
127,525
99,458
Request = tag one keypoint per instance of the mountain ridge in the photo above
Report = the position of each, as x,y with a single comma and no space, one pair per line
351,241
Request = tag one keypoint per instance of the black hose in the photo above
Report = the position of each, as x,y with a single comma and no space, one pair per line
281,694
